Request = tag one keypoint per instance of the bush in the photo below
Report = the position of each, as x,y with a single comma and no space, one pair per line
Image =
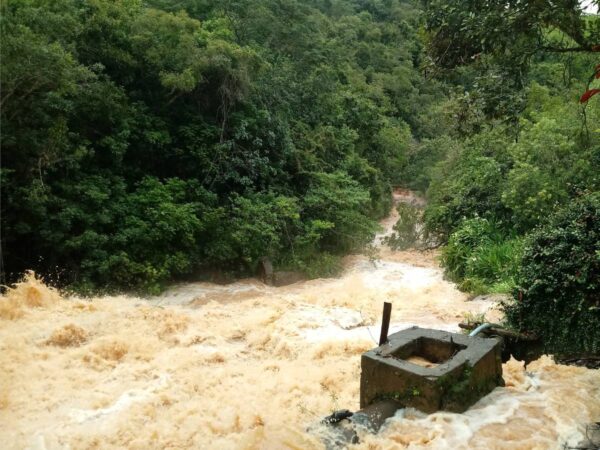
472,234
481,258
257,227
558,294
156,237
530,194
468,184
340,202
318,265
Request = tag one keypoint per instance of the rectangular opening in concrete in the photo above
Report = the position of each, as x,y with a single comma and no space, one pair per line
428,352
430,370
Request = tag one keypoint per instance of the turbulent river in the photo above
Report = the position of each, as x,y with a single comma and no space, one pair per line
248,366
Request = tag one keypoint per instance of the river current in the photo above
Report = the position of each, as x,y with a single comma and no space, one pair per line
249,366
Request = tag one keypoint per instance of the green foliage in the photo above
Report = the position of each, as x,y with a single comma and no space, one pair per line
258,226
407,229
320,265
145,141
491,190
467,183
531,194
558,294
422,159
460,32
497,43
472,234
141,239
493,268
512,147
481,258
338,201
516,184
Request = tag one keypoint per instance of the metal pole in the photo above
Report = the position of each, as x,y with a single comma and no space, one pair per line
385,322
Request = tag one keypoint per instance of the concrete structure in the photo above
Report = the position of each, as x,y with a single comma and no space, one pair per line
431,370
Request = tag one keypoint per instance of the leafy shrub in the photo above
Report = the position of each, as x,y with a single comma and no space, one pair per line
472,234
468,184
531,194
337,199
319,265
408,229
258,225
481,258
494,265
558,294
547,160
156,236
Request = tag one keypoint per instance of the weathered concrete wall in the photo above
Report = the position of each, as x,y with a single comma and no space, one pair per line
467,369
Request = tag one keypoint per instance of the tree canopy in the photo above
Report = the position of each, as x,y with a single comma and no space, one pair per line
143,141
461,32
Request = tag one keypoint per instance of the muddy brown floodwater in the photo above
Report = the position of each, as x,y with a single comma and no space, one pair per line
248,366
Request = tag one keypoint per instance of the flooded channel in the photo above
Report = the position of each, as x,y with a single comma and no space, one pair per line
249,366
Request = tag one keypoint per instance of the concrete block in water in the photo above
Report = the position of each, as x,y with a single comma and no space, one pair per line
431,370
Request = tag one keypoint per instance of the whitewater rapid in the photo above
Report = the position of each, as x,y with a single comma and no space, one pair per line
250,366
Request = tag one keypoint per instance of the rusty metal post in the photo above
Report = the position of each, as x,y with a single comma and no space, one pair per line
385,322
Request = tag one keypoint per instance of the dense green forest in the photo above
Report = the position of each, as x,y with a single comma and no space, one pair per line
515,196
145,141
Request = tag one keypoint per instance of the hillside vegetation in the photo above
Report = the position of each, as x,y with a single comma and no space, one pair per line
144,141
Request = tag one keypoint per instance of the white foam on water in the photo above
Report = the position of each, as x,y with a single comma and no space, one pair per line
252,366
